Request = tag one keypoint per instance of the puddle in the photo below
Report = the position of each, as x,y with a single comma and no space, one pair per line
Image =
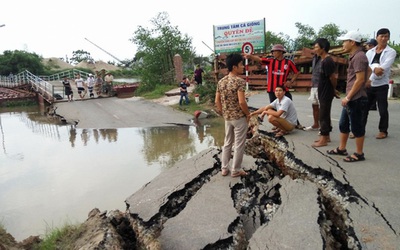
52,174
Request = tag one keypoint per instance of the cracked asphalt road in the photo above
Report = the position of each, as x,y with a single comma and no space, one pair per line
196,208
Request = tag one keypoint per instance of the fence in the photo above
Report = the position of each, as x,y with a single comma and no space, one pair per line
41,84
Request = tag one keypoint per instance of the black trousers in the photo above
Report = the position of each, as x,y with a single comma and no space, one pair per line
379,95
325,122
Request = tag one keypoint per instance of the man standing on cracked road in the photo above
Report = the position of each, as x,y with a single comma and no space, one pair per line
231,103
355,102
380,59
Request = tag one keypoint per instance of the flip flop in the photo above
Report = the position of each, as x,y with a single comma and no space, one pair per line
337,151
354,157
239,174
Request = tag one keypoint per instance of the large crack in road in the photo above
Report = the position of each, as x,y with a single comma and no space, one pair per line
257,197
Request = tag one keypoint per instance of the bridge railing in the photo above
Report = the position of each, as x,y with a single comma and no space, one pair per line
68,73
39,85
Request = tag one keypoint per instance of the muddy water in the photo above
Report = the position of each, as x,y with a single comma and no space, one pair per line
52,174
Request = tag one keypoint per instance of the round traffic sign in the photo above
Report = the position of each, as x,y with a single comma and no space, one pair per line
247,48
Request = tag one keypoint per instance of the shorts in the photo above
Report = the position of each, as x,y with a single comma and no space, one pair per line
80,89
285,124
353,117
314,96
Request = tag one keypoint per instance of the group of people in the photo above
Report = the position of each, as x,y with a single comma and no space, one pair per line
92,85
367,83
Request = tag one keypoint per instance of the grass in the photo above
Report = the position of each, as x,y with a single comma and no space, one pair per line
206,92
157,92
61,238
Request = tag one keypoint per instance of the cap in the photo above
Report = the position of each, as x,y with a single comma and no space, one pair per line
372,42
278,47
90,75
351,35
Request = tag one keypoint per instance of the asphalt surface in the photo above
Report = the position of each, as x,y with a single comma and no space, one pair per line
366,193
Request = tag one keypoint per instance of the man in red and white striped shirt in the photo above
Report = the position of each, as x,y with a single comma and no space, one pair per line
279,69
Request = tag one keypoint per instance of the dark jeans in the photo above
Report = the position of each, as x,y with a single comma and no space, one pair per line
184,95
325,122
379,95
354,115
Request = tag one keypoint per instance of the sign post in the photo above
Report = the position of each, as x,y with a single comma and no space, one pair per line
247,48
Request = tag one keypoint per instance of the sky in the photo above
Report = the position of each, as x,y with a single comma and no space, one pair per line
57,28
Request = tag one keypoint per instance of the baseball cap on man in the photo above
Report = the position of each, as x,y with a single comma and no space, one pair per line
372,42
351,35
278,47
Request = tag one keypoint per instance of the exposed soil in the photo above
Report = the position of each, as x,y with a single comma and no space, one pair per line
57,63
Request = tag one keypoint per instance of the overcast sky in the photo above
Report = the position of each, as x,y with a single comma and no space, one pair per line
57,28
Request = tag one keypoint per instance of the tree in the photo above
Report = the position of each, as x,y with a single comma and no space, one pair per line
17,61
79,56
272,38
331,32
306,35
156,50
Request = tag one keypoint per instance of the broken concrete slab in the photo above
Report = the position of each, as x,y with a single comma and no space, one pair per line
147,202
294,225
205,219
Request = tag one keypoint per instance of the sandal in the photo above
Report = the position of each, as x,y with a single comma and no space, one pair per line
239,173
224,172
337,151
354,157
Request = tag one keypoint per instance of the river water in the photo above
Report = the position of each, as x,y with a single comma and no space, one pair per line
52,174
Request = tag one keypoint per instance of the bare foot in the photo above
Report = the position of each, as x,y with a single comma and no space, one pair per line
319,144
328,140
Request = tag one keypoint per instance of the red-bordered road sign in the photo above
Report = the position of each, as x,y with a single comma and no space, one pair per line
247,48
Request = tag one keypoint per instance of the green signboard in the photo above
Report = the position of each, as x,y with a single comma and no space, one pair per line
231,37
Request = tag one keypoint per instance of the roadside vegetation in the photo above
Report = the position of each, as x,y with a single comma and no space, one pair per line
61,238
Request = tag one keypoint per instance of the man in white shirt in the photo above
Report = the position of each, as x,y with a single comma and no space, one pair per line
281,113
380,59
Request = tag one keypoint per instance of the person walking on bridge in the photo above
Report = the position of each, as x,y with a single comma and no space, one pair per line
80,84
67,89
108,79
90,81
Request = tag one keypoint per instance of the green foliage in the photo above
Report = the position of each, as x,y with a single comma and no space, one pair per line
397,48
272,38
157,47
61,238
79,56
17,61
155,92
331,32
306,36
124,73
206,92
